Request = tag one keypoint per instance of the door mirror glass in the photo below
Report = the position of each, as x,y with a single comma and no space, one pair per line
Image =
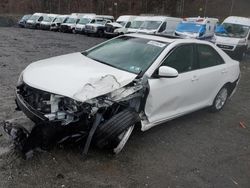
167,72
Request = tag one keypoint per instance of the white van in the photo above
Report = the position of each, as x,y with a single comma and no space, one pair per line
136,24
119,27
197,27
159,25
47,21
233,36
34,21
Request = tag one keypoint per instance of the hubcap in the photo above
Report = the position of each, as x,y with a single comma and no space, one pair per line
221,99
123,139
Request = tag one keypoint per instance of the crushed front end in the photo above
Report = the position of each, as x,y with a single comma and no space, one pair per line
59,119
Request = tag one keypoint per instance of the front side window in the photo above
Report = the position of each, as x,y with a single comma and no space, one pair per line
131,54
208,57
181,59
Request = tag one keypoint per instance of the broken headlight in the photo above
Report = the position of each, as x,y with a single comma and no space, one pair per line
70,105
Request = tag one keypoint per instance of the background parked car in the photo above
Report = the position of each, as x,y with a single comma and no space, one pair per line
233,36
47,21
55,25
119,27
197,27
97,26
80,26
34,21
159,24
69,25
23,20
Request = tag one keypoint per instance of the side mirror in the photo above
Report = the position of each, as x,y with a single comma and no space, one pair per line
167,72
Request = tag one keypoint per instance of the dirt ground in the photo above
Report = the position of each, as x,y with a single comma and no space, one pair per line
198,150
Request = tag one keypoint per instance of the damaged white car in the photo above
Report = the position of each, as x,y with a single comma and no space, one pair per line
100,95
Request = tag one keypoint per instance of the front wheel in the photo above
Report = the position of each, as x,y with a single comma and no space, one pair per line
123,138
115,132
220,99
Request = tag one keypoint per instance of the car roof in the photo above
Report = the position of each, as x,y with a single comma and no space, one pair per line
237,20
167,39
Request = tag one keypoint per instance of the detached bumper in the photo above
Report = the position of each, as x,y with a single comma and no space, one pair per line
28,110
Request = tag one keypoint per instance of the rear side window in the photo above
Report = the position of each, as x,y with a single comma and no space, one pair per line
181,59
208,57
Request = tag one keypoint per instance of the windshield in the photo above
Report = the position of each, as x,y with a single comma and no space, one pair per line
151,25
136,24
121,23
71,20
34,17
232,30
190,27
128,53
84,21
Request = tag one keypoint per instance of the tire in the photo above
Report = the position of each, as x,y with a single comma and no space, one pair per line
100,33
220,99
114,133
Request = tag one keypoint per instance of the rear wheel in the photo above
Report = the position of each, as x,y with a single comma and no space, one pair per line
114,133
220,99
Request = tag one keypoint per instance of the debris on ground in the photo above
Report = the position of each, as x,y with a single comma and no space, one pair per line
242,125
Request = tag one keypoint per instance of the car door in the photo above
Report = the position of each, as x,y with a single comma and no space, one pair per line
211,74
170,97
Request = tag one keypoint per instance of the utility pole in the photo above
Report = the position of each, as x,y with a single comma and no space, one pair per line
205,9
232,5
59,6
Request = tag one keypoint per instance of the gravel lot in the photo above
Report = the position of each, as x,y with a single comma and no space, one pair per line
199,150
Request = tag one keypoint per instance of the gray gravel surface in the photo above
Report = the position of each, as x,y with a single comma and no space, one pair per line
201,149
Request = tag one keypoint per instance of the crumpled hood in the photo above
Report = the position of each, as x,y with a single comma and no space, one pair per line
75,76
227,40
115,24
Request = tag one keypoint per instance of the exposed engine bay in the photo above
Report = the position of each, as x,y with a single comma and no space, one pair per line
59,119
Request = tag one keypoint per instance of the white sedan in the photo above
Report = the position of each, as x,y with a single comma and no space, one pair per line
131,80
